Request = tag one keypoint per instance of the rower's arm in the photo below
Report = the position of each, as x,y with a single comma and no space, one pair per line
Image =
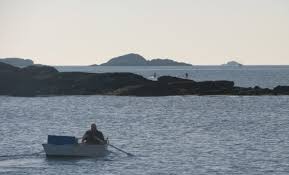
84,137
98,139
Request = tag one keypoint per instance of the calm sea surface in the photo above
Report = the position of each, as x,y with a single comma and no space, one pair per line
167,135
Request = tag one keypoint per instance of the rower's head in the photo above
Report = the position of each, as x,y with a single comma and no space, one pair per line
93,127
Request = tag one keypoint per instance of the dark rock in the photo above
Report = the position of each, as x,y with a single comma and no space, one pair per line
38,70
252,91
281,90
262,91
45,80
222,84
169,79
77,83
7,68
10,79
214,87
150,89
176,86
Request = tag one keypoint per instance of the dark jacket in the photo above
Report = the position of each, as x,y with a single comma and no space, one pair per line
89,137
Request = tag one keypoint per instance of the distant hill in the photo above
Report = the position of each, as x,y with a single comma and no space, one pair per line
127,60
133,59
233,64
18,62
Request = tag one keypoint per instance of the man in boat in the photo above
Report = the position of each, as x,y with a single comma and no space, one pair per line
93,136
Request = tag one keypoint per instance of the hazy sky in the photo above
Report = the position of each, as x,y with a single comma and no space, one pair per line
70,32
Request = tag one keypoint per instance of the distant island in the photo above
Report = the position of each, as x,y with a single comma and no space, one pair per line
18,62
232,64
47,81
133,59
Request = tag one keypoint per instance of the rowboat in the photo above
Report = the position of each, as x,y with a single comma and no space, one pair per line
78,150
69,146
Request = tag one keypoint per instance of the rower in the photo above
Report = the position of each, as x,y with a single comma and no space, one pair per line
93,136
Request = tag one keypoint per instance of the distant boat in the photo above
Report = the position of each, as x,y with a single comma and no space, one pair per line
67,146
232,64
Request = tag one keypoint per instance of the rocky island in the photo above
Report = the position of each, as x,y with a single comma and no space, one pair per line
232,64
47,81
18,62
138,60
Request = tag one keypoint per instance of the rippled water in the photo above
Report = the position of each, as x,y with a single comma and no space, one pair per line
167,135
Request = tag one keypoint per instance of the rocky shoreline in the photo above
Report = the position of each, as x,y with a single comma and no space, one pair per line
47,81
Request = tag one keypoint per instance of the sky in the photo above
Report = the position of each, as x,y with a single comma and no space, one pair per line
200,32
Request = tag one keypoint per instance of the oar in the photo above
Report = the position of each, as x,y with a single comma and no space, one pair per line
129,154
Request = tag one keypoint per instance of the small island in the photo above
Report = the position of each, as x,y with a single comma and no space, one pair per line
133,59
47,81
232,64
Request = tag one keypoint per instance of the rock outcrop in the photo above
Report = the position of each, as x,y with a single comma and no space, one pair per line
45,80
7,68
38,70
281,90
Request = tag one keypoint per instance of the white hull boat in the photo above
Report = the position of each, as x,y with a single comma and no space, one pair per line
76,150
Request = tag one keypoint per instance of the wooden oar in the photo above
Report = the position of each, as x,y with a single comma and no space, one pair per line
101,141
129,154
